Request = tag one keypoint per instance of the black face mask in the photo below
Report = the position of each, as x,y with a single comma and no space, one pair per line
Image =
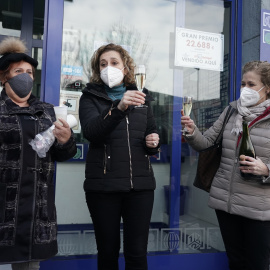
21,84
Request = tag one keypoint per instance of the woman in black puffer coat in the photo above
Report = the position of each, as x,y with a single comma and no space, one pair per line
119,178
27,210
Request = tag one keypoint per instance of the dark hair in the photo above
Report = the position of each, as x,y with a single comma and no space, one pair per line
126,58
262,68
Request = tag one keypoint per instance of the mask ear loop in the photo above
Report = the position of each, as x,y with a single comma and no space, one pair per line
5,81
260,91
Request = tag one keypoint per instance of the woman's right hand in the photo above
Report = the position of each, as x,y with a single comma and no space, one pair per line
62,131
187,123
135,98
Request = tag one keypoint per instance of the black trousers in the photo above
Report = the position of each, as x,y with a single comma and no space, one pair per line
106,210
247,241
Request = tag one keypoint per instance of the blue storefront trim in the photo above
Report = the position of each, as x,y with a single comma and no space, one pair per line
203,261
52,51
236,49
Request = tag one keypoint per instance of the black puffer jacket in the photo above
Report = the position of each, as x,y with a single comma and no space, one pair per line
27,210
118,159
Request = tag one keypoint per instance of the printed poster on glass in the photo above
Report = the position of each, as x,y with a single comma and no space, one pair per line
197,49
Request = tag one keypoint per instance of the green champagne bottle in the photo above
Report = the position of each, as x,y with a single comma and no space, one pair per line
246,148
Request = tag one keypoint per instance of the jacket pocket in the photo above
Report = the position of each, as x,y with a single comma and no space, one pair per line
148,163
107,158
3,192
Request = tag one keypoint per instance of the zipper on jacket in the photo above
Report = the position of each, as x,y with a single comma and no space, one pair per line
34,192
129,150
232,177
109,112
20,177
105,159
34,195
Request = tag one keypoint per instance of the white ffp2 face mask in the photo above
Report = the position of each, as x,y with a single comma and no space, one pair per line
249,97
111,76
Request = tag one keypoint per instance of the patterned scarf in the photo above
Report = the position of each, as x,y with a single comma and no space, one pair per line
247,114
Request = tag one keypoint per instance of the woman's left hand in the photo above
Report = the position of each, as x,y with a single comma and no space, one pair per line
152,140
62,132
254,166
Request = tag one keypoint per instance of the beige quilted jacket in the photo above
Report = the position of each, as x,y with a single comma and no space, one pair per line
229,192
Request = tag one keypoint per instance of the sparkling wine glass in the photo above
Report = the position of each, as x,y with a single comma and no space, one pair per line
187,106
140,77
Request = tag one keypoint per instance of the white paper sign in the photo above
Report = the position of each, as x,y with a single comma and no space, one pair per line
71,99
198,49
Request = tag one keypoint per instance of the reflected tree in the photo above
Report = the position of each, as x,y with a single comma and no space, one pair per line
78,49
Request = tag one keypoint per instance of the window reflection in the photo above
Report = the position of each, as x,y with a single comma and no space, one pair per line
37,54
11,17
38,20
148,34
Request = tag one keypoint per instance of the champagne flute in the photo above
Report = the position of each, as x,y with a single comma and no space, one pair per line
140,78
187,106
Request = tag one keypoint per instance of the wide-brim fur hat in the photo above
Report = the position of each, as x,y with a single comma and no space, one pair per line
14,50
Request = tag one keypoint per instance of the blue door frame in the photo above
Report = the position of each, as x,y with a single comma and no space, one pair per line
52,51
27,26
51,73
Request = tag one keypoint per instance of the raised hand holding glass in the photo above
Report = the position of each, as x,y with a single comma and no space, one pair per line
140,78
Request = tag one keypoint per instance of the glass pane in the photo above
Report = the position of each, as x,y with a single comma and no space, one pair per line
210,92
37,54
11,17
148,33
38,20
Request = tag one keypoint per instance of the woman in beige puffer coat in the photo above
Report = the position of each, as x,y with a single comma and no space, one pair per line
242,207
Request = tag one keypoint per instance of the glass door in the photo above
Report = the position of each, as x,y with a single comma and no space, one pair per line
155,33
24,19
205,72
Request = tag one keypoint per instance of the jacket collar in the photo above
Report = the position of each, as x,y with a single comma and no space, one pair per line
12,108
99,90
96,90
265,114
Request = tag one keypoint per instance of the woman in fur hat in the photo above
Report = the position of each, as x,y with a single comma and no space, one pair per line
27,210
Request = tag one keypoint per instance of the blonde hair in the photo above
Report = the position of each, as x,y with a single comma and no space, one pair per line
262,68
126,58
